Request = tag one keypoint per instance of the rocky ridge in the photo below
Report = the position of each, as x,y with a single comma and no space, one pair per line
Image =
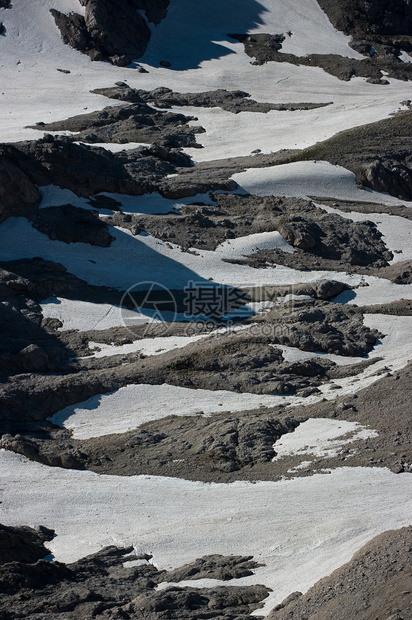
118,33
102,585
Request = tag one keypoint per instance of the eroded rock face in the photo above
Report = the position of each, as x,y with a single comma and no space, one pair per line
23,544
26,347
73,225
117,32
322,241
100,586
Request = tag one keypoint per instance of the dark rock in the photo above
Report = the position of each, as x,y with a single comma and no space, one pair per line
39,279
90,170
377,28
386,176
215,567
32,359
100,586
234,101
17,191
265,48
165,63
137,122
339,242
73,225
23,544
73,30
115,32
104,202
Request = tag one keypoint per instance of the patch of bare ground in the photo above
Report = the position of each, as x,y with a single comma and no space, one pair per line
226,446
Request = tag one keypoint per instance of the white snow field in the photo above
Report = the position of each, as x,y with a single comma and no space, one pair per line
131,406
300,529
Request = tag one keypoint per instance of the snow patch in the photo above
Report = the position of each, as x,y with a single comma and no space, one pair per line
321,437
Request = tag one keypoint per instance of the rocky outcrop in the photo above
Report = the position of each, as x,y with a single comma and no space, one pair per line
23,544
234,101
229,446
90,170
265,48
322,241
101,586
385,175
73,225
378,153
26,347
377,27
115,32
38,279
137,122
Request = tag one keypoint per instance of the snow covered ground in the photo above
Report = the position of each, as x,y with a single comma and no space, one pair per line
131,406
300,529
194,39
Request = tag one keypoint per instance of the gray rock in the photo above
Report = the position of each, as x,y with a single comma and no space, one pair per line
234,101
